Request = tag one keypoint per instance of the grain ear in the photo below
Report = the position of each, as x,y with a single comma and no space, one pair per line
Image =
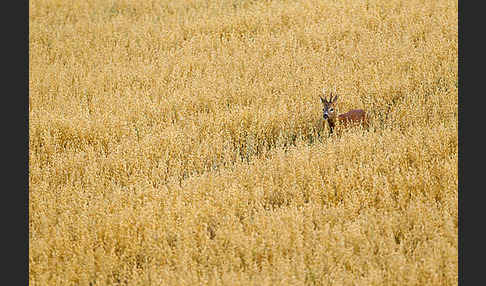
323,99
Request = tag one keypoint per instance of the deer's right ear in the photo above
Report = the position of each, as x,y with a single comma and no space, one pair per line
323,100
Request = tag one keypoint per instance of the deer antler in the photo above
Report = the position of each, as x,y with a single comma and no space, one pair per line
333,93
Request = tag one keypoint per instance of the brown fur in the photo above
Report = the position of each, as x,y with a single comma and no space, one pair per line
355,116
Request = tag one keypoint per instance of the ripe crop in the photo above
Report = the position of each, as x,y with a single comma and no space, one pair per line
182,143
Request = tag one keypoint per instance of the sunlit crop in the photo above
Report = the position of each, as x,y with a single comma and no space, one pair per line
182,142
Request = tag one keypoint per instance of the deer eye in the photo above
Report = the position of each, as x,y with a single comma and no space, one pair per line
331,109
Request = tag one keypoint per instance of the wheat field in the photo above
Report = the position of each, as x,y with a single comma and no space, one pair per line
182,142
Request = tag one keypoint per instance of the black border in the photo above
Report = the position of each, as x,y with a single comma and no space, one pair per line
15,46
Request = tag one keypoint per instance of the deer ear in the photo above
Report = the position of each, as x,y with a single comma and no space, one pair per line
323,100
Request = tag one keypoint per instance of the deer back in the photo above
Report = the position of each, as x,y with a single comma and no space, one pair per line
355,116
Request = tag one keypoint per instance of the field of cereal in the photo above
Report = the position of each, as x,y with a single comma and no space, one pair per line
181,142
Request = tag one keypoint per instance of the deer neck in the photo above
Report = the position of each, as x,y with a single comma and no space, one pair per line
332,123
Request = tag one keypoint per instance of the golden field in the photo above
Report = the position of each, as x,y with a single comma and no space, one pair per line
181,143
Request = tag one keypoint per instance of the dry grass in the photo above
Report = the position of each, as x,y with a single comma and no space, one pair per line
180,143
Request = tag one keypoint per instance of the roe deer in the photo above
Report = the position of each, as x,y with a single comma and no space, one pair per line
352,117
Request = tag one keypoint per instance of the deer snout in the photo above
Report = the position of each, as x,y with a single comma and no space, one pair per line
326,116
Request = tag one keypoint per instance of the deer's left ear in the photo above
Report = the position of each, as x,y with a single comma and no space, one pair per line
335,99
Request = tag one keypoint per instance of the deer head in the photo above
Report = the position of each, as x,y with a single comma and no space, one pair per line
328,109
